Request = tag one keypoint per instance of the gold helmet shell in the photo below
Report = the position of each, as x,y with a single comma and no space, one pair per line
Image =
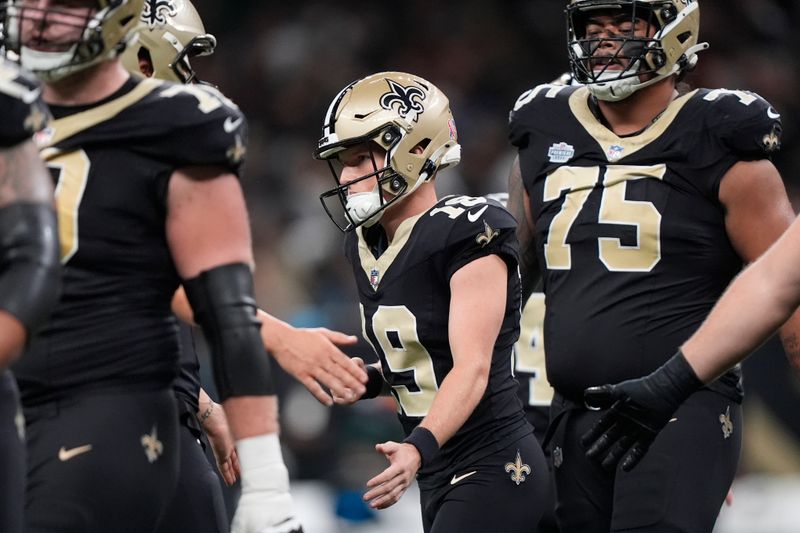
103,36
405,115
171,32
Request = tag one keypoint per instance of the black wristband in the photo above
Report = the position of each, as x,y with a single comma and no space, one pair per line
682,381
424,441
375,383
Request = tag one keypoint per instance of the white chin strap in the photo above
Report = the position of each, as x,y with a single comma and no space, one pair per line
609,88
365,207
49,66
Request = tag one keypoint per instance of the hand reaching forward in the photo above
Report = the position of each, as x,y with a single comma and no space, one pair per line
388,487
351,397
638,409
312,356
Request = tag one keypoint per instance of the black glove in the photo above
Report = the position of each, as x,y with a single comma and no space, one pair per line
639,409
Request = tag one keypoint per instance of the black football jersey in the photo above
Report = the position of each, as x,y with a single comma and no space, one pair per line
111,162
629,230
21,107
404,291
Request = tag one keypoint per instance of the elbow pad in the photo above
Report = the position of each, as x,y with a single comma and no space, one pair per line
223,304
30,270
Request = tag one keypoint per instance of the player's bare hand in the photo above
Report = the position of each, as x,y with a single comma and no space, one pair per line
312,356
222,444
388,487
350,397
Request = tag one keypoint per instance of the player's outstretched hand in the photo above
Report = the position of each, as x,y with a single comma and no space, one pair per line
312,356
388,487
638,410
349,397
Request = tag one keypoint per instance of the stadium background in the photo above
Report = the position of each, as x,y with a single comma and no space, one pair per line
283,62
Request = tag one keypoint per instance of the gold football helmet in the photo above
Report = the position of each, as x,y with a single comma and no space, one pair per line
101,33
169,33
672,50
403,114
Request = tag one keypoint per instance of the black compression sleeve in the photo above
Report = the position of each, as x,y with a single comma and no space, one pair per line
224,306
30,271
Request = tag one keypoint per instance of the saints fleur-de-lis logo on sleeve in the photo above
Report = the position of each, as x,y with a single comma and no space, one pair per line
407,99
487,235
155,12
518,469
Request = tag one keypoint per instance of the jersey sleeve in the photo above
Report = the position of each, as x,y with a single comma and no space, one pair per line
533,109
23,111
747,125
205,127
479,232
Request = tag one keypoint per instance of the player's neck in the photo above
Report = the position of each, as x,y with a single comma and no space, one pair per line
417,202
86,86
639,110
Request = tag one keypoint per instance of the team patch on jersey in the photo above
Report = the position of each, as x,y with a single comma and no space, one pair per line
153,448
487,235
561,152
36,120
518,469
237,152
727,423
614,152
771,141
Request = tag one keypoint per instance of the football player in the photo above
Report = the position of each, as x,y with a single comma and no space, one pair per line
439,292
140,212
29,267
163,49
757,302
640,200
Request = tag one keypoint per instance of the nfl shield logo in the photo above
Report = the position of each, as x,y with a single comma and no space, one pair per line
615,152
374,278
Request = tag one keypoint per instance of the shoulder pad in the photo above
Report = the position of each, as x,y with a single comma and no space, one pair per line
744,122
545,90
473,218
204,127
531,105
21,107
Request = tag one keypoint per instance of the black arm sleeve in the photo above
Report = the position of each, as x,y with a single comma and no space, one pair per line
224,306
30,271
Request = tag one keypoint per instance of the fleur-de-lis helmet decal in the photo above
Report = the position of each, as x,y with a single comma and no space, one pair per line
404,115
407,101
156,12
172,33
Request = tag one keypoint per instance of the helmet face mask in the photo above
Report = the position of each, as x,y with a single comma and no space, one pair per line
403,115
168,35
655,39
55,42
350,210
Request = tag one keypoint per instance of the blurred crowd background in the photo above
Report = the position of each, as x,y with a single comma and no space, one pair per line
283,62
